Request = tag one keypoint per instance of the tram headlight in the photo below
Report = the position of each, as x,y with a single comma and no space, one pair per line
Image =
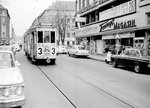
19,91
7,92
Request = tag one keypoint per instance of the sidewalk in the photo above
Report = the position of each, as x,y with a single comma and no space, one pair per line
97,57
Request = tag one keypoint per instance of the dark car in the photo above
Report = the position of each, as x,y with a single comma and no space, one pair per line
137,58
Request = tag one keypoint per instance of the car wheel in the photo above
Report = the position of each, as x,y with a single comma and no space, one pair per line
114,64
137,68
18,107
106,61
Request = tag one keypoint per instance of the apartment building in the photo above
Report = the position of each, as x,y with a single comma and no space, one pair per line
113,23
4,26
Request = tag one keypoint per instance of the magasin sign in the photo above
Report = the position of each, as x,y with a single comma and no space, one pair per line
112,25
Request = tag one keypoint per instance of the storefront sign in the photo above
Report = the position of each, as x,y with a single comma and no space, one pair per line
112,25
93,5
121,23
123,9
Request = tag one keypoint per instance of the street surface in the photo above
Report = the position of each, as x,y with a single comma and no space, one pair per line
83,83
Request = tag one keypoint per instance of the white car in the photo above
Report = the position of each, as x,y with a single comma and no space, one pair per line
61,49
78,50
11,81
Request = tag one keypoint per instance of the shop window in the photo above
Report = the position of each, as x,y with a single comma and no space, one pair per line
52,37
40,37
46,37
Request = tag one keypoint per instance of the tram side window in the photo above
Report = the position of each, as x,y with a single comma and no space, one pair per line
40,37
52,37
46,37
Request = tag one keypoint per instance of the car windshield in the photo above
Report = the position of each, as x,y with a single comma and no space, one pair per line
145,52
5,60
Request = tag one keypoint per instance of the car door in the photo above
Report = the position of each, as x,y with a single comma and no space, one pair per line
123,59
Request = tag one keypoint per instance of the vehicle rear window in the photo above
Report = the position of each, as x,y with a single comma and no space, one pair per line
6,60
81,48
145,52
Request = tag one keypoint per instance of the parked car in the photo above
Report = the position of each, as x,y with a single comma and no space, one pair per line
138,59
11,81
78,50
62,49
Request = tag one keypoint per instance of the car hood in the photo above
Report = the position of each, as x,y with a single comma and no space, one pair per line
10,76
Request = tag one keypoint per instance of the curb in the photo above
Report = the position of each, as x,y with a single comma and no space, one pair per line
96,59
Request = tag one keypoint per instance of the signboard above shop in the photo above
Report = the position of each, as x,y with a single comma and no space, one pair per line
121,23
123,9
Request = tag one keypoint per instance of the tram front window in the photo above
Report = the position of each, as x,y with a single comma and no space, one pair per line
40,37
52,37
46,37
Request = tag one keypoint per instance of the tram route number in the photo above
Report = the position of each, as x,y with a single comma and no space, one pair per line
40,51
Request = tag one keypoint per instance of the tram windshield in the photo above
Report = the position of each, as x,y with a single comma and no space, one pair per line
40,37
46,36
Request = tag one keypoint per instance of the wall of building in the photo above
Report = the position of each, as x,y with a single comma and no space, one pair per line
4,26
125,24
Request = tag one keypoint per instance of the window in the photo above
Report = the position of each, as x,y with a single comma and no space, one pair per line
73,20
68,34
68,20
52,37
126,52
148,18
79,4
133,53
6,60
87,2
40,37
46,37
83,2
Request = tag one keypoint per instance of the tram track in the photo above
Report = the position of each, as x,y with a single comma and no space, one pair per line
57,87
102,90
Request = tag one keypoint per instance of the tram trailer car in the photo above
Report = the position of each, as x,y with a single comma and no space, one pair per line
40,44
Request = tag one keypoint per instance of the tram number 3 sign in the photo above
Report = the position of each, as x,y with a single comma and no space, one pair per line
40,51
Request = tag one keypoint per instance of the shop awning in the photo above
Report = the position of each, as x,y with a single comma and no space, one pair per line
144,28
118,31
111,32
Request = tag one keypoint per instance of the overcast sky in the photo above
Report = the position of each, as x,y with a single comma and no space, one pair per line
23,12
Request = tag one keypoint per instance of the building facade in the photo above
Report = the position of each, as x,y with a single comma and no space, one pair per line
4,26
113,23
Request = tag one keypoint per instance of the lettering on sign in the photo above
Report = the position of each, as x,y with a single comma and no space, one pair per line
112,25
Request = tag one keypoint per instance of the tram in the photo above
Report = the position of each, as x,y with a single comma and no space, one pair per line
40,44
